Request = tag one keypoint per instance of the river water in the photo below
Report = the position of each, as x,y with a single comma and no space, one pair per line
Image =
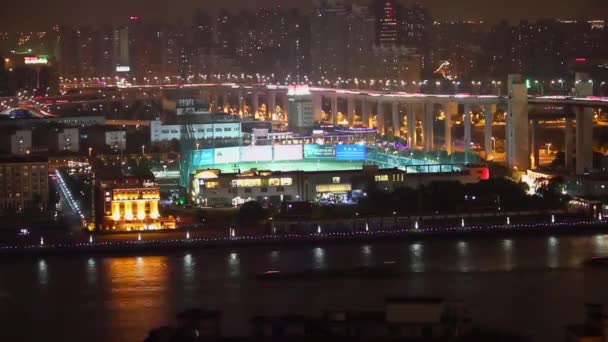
528,284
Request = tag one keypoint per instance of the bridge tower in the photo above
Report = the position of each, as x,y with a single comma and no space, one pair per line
584,126
518,149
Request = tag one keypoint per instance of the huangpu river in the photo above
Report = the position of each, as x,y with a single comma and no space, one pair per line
533,285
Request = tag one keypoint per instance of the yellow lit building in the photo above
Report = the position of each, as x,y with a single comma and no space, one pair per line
130,204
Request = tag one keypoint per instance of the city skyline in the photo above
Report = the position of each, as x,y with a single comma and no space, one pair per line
69,12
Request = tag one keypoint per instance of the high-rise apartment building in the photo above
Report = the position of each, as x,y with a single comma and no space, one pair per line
387,22
341,40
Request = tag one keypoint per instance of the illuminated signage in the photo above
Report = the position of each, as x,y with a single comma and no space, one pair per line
314,151
258,182
203,157
280,181
350,152
184,103
333,188
35,60
123,68
298,90
246,183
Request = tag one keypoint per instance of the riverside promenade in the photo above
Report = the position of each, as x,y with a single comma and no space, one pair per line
183,239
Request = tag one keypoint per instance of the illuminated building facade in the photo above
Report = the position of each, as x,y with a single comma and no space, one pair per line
130,204
211,187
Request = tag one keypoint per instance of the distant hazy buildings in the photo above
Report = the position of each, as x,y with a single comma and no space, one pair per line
336,40
341,40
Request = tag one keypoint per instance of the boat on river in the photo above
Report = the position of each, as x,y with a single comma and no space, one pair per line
598,261
386,270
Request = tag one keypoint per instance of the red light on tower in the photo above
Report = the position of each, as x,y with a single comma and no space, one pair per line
581,59
134,17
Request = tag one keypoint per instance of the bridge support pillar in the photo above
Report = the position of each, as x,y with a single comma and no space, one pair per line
518,154
427,126
213,105
224,100
449,110
317,100
467,132
334,109
255,104
365,106
568,144
272,103
487,134
584,126
584,140
241,102
350,110
534,146
411,125
396,118
285,106
380,123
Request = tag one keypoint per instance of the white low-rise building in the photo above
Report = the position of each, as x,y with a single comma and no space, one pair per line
69,140
117,140
21,142
200,131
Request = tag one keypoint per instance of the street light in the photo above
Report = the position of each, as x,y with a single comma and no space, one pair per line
143,149
548,148
90,151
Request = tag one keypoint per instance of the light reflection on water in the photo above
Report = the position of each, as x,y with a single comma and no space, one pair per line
133,294
318,258
92,272
416,257
137,289
464,259
188,270
274,259
601,244
507,247
234,265
367,256
43,273
553,252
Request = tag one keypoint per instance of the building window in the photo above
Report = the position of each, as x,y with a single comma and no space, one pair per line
335,180
212,185
227,129
264,189
280,189
381,178
248,190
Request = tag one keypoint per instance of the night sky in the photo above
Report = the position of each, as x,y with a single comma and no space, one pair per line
35,14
